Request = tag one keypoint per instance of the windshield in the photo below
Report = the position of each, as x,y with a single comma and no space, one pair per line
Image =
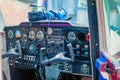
16,11
112,26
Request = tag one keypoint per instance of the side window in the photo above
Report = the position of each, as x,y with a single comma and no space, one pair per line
112,26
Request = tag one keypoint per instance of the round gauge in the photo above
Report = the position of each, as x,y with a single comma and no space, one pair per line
40,35
32,48
17,34
31,35
82,36
71,36
50,31
10,34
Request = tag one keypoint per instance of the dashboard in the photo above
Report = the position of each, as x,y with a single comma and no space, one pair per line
52,48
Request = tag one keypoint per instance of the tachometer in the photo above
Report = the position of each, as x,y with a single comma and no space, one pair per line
71,36
31,35
40,35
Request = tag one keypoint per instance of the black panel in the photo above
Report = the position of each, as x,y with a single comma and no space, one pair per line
54,37
19,74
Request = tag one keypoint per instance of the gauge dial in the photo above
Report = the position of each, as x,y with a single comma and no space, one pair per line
17,34
82,36
31,35
10,34
50,31
71,36
32,48
40,35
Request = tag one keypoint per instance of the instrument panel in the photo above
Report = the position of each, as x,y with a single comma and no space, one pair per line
56,57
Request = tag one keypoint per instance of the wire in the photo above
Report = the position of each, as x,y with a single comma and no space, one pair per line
13,62
38,76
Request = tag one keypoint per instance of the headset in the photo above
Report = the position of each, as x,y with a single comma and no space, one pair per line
61,15
50,15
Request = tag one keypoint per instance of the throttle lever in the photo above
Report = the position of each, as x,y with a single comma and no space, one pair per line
70,47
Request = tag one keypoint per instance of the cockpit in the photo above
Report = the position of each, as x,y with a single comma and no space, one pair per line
45,44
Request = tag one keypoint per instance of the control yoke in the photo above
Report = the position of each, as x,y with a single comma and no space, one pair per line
12,51
59,57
